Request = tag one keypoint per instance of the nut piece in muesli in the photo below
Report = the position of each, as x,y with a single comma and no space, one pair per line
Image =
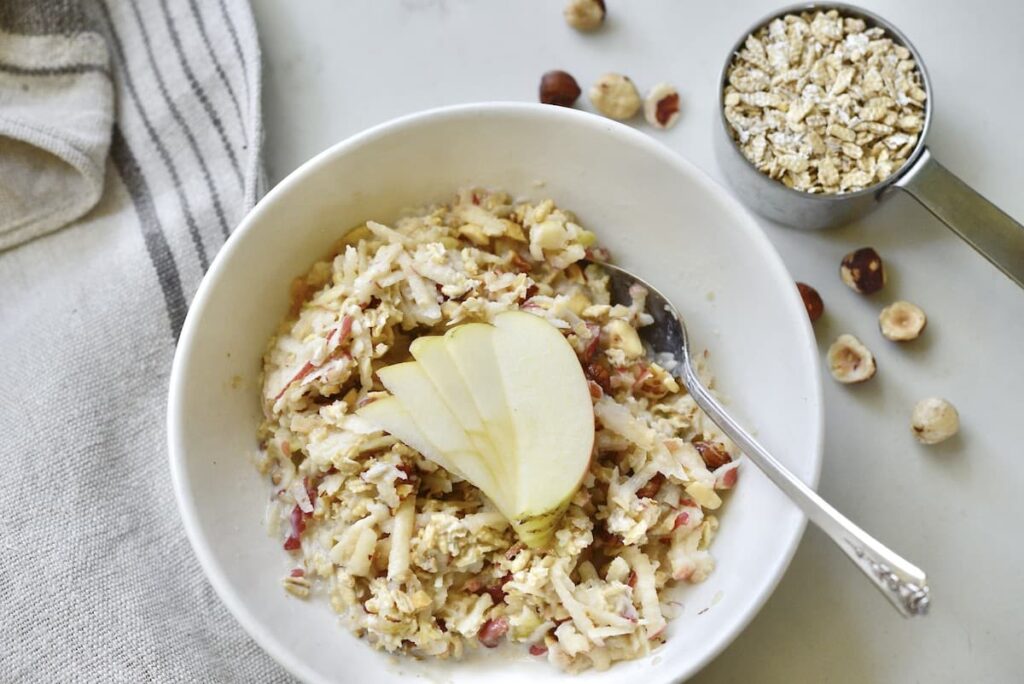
824,103
422,558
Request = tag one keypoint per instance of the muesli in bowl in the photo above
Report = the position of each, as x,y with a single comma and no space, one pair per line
417,557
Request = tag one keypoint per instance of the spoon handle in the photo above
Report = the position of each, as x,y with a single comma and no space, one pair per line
904,584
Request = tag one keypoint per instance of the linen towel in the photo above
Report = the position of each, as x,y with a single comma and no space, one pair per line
97,580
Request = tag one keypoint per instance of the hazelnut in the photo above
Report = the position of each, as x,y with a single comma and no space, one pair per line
585,15
559,88
661,106
934,420
850,361
621,335
812,301
863,271
615,96
902,321
713,454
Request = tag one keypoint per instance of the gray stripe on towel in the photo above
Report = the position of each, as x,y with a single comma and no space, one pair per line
67,70
190,221
176,113
219,68
152,233
238,46
200,93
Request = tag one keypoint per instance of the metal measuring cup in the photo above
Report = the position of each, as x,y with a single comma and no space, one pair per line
980,223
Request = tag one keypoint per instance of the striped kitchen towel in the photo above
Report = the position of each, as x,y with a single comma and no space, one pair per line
129,150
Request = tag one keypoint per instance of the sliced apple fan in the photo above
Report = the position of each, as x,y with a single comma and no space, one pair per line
504,406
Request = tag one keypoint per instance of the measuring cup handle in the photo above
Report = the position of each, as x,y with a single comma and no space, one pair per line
996,236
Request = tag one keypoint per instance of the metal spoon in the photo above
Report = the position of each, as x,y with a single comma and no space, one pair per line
903,584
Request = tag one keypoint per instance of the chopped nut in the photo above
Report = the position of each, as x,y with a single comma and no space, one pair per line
850,361
713,454
863,271
661,107
559,88
585,15
475,234
726,476
902,321
934,420
812,301
578,301
818,91
420,599
514,231
621,335
703,495
549,235
615,96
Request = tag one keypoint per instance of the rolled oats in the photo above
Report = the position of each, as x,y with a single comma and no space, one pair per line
824,103
296,585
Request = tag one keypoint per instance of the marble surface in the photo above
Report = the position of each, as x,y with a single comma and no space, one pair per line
333,68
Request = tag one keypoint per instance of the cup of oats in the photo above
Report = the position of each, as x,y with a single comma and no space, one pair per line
824,109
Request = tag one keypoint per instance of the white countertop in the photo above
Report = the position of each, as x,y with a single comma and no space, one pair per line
335,68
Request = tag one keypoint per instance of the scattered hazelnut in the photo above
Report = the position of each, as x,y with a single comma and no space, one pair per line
934,420
812,301
863,271
902,321
850,361
585,15
661,107
559,88
615,96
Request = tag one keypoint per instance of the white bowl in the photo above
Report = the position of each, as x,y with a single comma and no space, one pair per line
658,214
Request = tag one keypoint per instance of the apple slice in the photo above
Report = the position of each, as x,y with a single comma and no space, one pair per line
552,417
432,354
420,399
471,347
389,415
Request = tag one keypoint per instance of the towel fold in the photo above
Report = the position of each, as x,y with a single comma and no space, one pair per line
56,112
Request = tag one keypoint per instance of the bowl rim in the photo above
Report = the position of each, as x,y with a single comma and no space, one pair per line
187,508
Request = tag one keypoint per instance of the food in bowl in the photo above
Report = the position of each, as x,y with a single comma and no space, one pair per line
414,556
824,103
